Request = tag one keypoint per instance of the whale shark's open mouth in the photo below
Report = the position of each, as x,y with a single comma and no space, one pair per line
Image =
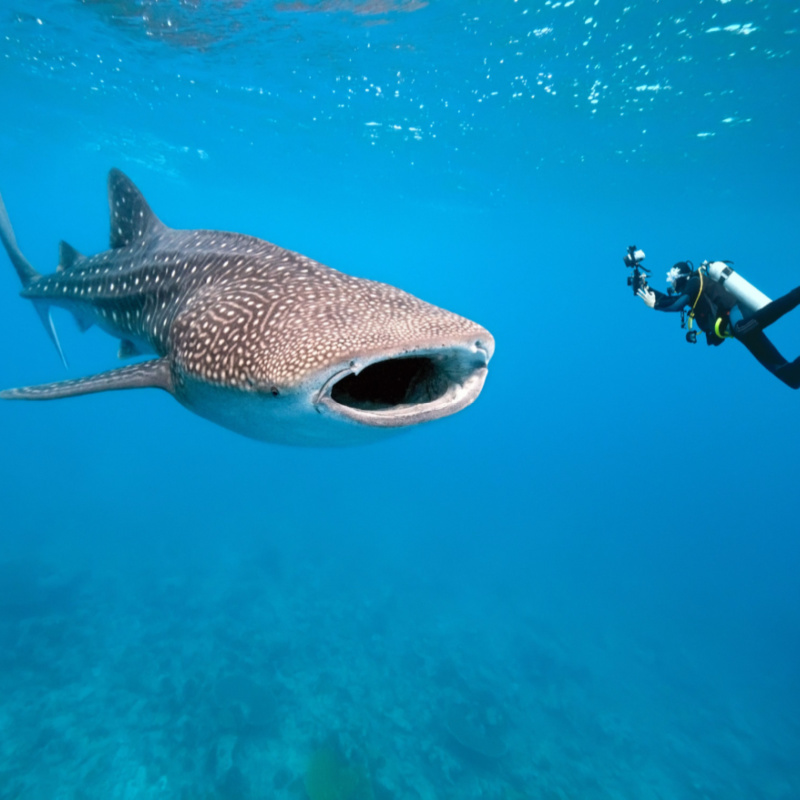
409,388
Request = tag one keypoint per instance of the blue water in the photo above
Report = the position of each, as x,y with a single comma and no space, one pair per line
583,586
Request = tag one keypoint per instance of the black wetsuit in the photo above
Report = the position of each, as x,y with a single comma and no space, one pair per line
716,302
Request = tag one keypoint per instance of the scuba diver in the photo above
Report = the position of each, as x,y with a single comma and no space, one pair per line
740,312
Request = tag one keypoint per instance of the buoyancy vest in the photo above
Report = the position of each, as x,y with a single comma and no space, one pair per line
711,306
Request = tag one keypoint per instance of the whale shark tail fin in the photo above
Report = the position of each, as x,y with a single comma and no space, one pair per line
28,275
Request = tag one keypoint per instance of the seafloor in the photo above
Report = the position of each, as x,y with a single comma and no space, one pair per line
272,677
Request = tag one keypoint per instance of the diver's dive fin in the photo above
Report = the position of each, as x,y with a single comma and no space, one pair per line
147,374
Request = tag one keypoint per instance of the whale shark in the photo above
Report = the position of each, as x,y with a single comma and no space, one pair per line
259,339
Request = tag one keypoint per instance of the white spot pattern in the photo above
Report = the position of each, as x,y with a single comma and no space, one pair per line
232,309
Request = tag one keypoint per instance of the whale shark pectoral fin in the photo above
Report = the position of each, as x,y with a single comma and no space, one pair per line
147,374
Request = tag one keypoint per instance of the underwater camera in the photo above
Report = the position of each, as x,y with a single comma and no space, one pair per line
633,259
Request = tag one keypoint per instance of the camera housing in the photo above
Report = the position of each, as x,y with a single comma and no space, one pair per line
633,260
634,257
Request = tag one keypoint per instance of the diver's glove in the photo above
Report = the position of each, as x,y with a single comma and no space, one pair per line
648,295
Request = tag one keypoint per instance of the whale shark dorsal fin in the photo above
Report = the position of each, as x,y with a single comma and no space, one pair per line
68,257
131,217
154,374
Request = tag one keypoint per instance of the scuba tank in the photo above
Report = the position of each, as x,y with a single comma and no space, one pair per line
750,299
